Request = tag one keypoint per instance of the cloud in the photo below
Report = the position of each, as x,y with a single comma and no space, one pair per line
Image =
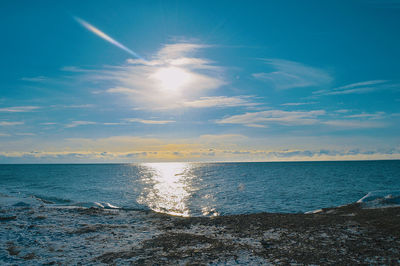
361,84
74,106
359,88
173,77
312,155
338,120
19,109
354,124
323,154
342,111
121,90
260,119
289,74
152,122
221,101
222,147
7,123
377,115
79,123
358,120
35,79
297,104
179,50
113,123
202,155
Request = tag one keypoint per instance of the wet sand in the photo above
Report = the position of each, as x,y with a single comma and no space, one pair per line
336,236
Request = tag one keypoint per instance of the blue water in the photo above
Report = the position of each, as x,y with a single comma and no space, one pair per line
195,189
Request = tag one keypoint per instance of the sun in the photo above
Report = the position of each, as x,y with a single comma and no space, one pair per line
172,78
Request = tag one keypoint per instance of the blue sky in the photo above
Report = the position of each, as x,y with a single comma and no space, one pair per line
138,81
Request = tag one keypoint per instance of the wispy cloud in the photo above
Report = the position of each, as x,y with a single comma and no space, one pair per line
348,121
35,79
179,51
359,88
7,123
298,103
151,122
122,90
19,109
114,123
79,123
377,115
221,101
290,74
354,124
261,119
74,106
335,120
342,111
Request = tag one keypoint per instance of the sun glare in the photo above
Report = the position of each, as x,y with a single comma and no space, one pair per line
169,187
172,78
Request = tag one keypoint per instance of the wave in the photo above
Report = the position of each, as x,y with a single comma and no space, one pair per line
101,205
67,202
32,200
381,199
51,200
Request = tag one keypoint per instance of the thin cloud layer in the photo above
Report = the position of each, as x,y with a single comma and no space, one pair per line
221,101
263,118
359,88
10,123
79,123
305,118
290,74
19,109
147,121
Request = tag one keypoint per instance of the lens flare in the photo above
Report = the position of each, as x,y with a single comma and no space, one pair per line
106,37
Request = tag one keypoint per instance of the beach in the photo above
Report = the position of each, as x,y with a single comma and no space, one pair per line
73,235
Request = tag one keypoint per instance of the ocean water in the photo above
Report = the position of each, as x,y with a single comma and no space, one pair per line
203,189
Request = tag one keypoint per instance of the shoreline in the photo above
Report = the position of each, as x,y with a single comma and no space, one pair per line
342,235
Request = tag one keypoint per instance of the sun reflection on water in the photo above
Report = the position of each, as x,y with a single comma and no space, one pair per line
168,187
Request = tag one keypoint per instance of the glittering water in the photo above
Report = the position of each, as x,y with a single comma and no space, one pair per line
195,189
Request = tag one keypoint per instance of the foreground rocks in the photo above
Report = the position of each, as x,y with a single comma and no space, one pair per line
344,235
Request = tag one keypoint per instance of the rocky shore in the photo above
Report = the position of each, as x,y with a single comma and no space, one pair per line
345,235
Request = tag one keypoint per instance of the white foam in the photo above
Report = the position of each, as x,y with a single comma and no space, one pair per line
381,199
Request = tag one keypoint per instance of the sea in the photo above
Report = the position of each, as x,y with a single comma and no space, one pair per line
203,189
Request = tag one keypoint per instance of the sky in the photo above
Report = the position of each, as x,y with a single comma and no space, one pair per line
199,81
